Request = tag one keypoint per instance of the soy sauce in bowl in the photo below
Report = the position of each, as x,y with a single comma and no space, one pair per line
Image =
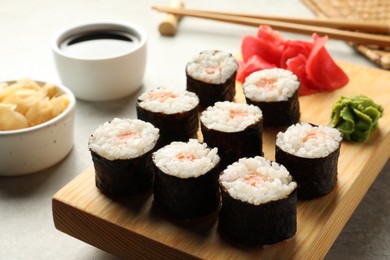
99,44
101,61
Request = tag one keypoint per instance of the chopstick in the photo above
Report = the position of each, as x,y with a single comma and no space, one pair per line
285,24
362,26
168,26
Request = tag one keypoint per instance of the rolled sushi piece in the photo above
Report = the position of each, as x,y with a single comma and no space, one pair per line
186,180
258,203
211,75
121,153
310,153
174,112
235,128
275,92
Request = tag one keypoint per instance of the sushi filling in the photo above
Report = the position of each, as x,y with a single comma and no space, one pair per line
123,139
308,141
257,181
186,160
271,85
230,117
168,101
212,66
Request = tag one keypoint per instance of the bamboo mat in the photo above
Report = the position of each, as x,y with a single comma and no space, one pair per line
367,10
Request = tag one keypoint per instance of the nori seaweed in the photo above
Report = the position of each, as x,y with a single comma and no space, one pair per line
315,177
121,178
210,93
173,127
235,145
279,113
251,225
187,198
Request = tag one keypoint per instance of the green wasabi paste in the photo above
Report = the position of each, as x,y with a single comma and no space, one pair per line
356,117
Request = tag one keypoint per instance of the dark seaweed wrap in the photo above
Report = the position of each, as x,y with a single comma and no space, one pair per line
173,127
123,177
187,198
315,177
235,145
279,113
251,225
210,93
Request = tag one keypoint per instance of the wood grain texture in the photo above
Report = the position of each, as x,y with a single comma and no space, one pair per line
133,227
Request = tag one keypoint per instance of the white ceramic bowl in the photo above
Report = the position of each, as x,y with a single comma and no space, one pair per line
95,73
36,148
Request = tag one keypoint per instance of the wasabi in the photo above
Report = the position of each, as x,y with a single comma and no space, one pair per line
356,117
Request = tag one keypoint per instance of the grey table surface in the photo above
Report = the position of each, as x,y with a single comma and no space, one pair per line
26,27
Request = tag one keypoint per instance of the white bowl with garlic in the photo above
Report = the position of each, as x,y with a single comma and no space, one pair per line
36,125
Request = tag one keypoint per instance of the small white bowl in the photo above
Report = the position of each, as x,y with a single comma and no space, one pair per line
96,61
36,148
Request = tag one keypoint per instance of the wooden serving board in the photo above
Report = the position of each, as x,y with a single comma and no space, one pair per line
133,228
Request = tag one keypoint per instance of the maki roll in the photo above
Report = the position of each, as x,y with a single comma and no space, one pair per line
211,74
275,92
258,203
174,112
121,153
235,128
310,153
186,180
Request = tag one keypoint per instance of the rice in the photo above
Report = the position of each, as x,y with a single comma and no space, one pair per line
186,160
271,85
123,139
257,180
228,116
168,101
212,66
308,141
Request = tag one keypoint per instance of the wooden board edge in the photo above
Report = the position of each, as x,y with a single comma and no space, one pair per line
351,201
84,226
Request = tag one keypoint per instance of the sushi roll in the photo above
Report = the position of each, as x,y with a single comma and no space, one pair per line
235,128
258,203
310,153
275,92
186,180
174,112
211,75
121,153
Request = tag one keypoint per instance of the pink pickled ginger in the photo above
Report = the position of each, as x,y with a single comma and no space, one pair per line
310,61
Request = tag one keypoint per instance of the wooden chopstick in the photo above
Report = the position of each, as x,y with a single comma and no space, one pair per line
362,26
168,26
357,37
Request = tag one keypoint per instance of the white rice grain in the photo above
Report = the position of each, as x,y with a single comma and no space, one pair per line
270,85
186,160
228,116
257,180
168,101
123,139
212,66
308,141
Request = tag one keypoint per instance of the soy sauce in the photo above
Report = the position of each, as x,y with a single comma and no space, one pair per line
99,44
